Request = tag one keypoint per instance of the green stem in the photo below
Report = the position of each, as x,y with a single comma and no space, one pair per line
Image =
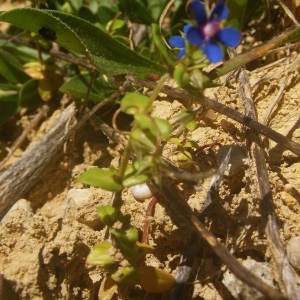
124,160
156,91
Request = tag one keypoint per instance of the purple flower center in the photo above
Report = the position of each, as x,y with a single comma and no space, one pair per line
210,29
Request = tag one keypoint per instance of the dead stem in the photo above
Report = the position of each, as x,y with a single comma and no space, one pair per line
181,214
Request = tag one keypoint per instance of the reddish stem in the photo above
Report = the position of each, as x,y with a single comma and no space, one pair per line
149,213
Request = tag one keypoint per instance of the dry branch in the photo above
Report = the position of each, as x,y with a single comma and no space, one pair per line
185,98
181,214
25,173
17,180
285,273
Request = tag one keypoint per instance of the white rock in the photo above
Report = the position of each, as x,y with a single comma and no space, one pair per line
240,290
141,191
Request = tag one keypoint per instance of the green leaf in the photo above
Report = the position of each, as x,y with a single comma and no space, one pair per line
82,37
8,106
107,214
29,95
106,53
102,254
10,68
135,179
143,140
164,127
136,10
126,275
78,86
102,178
131,103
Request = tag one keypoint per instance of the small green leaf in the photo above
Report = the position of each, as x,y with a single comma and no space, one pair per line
102,178
126,275
107,214
140,139
102,254
78,86
126,241
131,103
164,127
29,95
135,179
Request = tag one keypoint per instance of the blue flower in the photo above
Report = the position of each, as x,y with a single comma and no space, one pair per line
210,31
178,41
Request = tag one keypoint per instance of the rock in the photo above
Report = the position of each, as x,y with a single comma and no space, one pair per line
293,252
81,205
240,290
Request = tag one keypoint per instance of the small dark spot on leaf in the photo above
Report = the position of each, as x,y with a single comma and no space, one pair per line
47,34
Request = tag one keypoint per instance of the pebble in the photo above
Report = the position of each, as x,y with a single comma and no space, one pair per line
240,290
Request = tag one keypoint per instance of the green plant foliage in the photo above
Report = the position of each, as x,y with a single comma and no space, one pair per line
126,276
80,36
29,95
78,86
11,68
107,214
102,178
9,105
132,103
136,10
102,254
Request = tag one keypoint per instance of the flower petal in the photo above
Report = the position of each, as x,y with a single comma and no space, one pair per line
199,12
213,51
194,36
186,28
219,13
230,37
177,41
181,53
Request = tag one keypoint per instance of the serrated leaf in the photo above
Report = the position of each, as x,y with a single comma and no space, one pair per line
131,103
78,86
102,255
80,36
102,178
107,214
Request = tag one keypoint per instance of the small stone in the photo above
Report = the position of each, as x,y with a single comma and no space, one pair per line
293,252
22,204
81,206
240,290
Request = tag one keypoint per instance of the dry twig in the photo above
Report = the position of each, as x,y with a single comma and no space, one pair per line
16,181
285,273
181,214
186,98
